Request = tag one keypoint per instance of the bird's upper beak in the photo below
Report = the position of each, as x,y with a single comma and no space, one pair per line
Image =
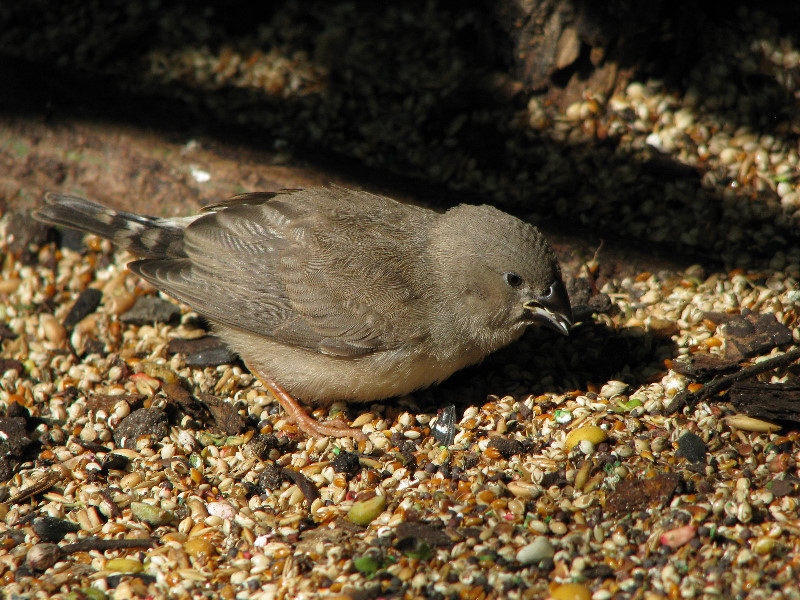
552,310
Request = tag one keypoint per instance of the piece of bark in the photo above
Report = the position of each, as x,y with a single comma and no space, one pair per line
770,401
633,494
752,334
306,486
224,413
187,403
702,367
101,545
432,534
687,398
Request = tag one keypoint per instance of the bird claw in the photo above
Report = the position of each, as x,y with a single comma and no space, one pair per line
306,424
332,428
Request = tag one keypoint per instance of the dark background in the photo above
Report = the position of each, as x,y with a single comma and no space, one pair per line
430,97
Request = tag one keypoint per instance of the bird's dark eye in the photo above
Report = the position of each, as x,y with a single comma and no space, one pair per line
513,279
549,291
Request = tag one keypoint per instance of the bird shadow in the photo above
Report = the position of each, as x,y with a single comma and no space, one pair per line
543,362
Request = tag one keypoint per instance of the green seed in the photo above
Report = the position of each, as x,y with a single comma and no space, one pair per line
124,565
363,513
152,515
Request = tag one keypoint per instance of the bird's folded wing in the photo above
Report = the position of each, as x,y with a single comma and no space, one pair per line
261,269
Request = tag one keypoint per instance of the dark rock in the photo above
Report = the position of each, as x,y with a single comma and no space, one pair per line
552,478
7,364
7,466
346,462
91,446
151,309
579,290
69,238
106,402
691,447
115,461
24,234
471,459
600,303
114,580
470,532
52,529
508,447
15,409
782,487
13,436
6,333
271,477
206,351
187,403
221,355
86,304
261,444
306,486
145,421
14,439
598,572
93,346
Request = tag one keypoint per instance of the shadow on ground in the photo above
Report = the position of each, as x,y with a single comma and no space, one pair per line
433,94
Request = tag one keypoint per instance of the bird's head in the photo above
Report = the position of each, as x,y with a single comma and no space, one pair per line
501,272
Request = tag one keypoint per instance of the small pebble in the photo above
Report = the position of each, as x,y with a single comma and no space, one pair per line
145,421
222,510
675,538
539,549
346,462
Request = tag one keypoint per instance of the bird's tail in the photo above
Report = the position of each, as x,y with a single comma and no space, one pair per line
149,237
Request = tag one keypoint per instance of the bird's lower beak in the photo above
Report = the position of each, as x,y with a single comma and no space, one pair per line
560,322
554,311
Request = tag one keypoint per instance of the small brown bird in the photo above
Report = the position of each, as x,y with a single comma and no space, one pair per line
332,294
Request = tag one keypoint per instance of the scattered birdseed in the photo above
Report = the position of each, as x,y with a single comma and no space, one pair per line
605,514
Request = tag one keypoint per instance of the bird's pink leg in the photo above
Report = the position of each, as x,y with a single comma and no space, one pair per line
310,426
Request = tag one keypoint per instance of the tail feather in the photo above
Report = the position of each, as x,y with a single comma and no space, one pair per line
149,237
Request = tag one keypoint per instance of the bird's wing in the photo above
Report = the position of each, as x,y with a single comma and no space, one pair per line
294,272
248,198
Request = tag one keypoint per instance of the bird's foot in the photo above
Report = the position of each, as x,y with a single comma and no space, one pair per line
306,423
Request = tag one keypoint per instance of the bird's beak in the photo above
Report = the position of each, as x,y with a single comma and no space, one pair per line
553,311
